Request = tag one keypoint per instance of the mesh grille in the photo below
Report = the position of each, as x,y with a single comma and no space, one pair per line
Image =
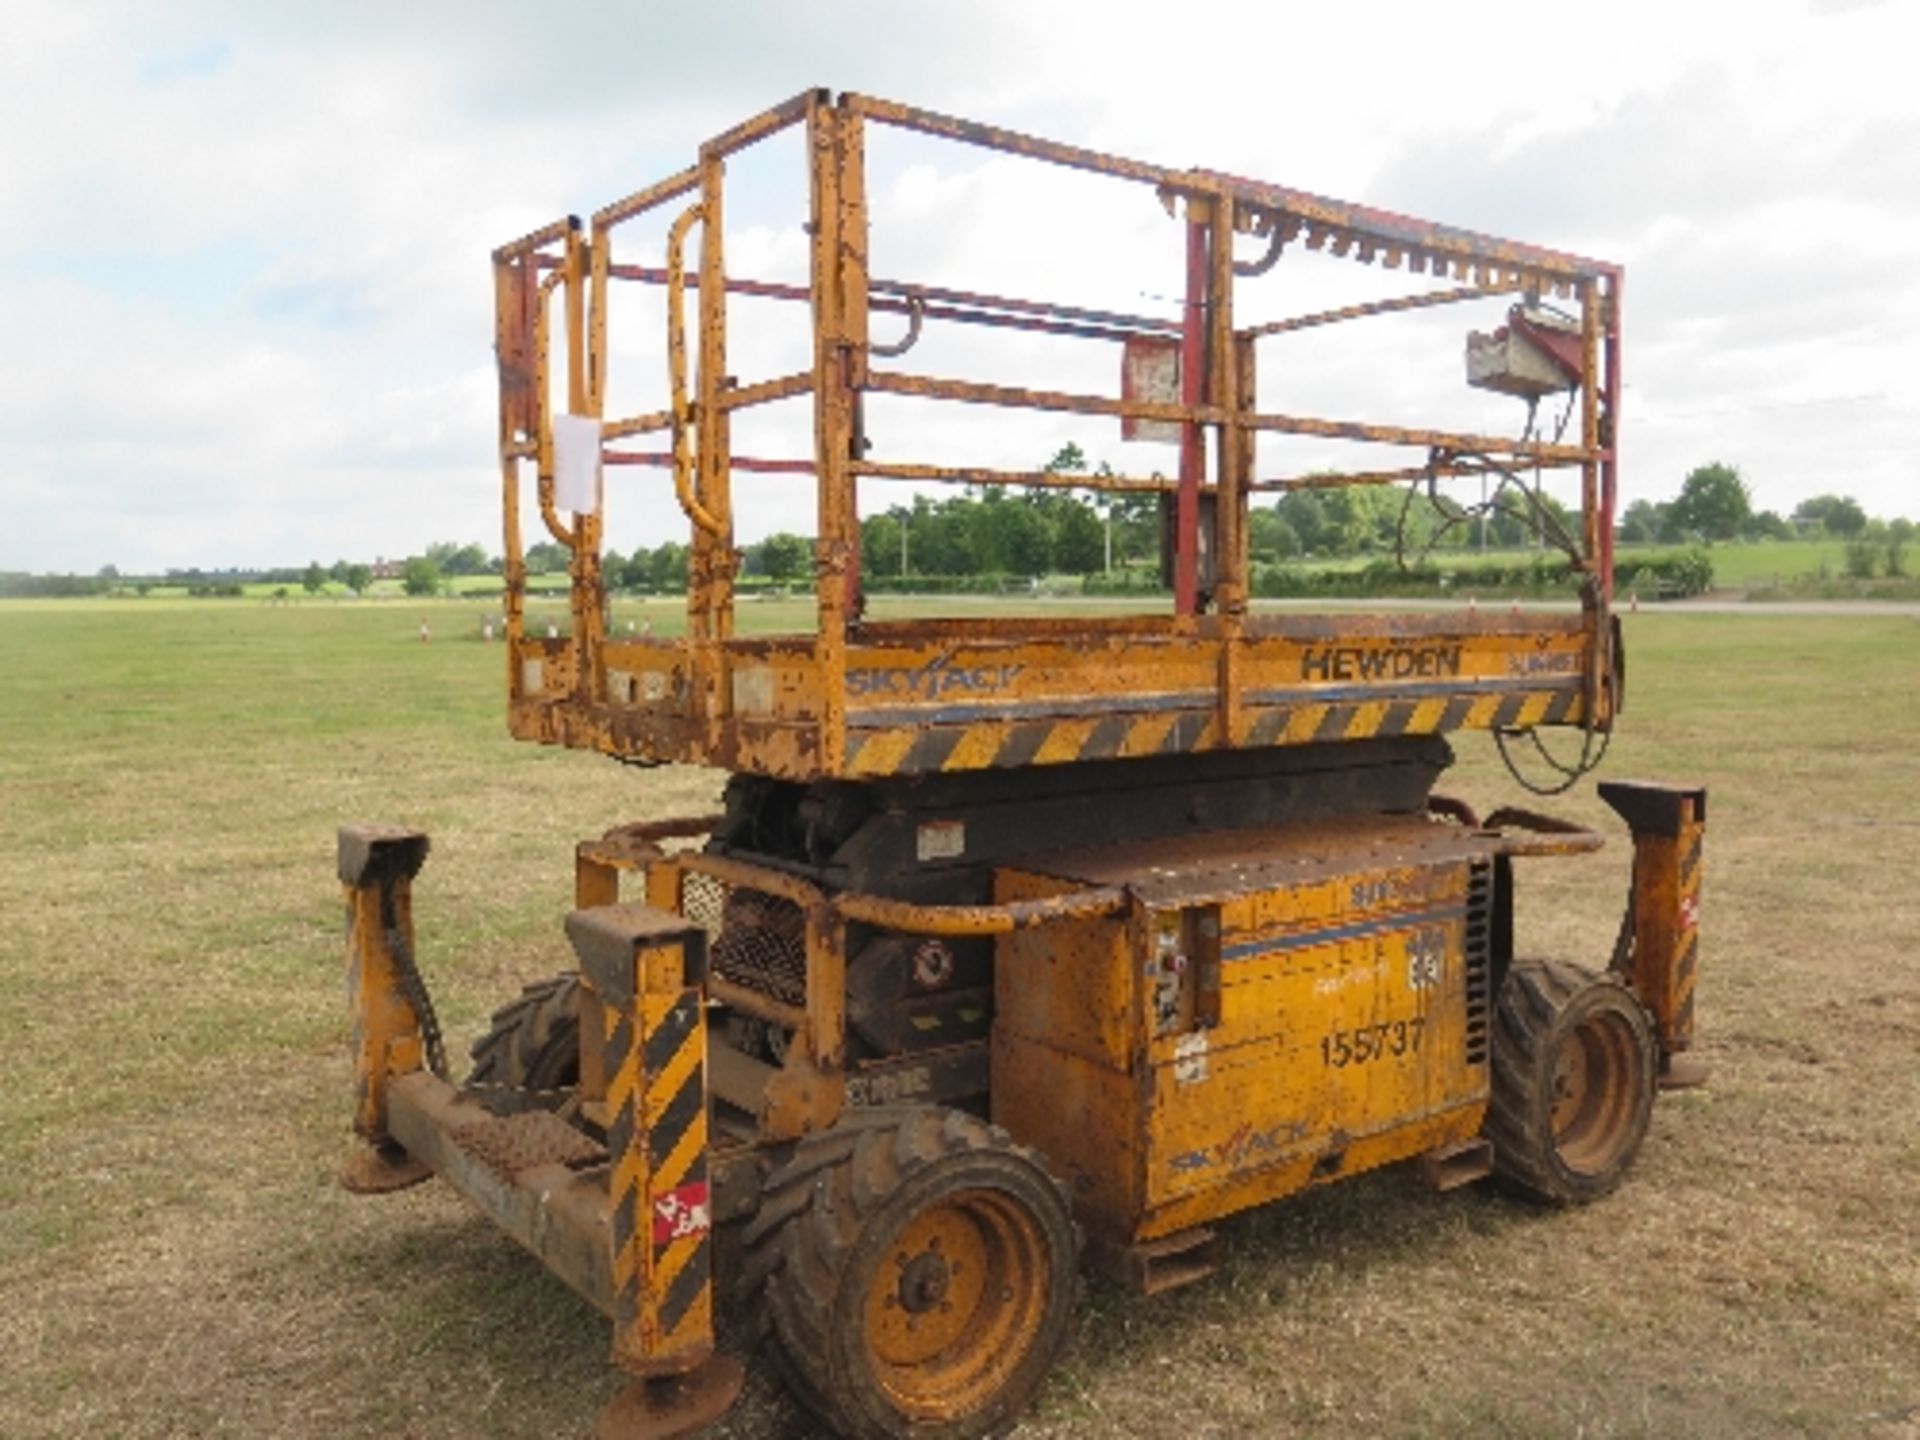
759,940
703,900
1479,948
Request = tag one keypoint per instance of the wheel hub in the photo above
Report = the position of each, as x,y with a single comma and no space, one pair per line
955,1303
1591,1112
923,1282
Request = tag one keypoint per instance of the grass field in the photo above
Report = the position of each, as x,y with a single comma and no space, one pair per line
1736,566
177,1261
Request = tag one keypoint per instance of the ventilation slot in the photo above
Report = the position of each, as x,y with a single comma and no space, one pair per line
1479,948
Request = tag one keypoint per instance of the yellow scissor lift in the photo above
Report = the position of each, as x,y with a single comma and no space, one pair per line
1015,931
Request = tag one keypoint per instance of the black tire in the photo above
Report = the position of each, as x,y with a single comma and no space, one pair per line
533,1042
845,1259
1574,1073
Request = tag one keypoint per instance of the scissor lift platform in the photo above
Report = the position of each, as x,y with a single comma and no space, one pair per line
1168,896
859,698
915,697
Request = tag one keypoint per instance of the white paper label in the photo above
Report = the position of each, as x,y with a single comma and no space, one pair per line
753,690
1190,1058
941,840
576,462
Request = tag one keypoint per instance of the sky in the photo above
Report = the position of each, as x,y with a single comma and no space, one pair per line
246,307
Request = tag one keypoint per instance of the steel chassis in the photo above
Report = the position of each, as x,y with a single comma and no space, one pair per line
1183,728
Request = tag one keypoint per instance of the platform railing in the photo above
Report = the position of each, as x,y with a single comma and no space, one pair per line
576,261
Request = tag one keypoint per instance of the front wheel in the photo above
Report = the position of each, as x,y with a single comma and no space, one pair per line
532,1044
1574,1071
920,1270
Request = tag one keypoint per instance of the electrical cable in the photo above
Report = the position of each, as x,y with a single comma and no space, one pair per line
1533,515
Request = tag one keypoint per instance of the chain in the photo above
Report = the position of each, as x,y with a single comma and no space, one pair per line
499,1099
411,985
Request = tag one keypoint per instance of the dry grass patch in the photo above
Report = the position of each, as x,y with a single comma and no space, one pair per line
177,1261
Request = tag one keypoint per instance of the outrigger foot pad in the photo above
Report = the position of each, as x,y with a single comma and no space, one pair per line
1682,1072
371,1169
674,1405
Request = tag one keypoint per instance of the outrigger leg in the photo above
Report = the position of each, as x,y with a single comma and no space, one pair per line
377,865
644,1011
1660,934
628,1224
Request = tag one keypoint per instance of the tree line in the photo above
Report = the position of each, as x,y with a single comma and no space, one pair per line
1715,504
996,531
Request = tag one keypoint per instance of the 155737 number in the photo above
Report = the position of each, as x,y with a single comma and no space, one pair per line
1373,1042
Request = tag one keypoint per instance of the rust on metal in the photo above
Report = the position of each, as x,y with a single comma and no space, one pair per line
673,1405
1529,450
371,1169
768,122
543,417
912,919
1013,142
683,473
647,424
1334,480
1369,232
1190,1019
1661,931
935,302
1379,307
377,865
1527,832
1037,479
544,236
753,1002
510,1144
643,200
931,387
710,698
781,388
1195,374
559,1214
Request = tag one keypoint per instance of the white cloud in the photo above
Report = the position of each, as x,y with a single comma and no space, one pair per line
242,248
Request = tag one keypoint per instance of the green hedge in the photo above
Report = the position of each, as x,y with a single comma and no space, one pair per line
1124,582
1656,573
945,584
15,584
1670,572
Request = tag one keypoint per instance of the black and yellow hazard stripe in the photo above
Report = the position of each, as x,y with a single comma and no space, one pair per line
1003,745
626,1187
1687,935
907,749
679,1288
657,1135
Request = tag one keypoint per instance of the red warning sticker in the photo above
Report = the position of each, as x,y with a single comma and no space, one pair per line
681,1212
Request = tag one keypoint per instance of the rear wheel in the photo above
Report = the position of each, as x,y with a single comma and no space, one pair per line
919,1273
533,1042
1574,1072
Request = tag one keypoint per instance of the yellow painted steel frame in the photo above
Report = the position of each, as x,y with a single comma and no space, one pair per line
1276,1010
376,867
809,1090
1661,957
802,707
640,968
